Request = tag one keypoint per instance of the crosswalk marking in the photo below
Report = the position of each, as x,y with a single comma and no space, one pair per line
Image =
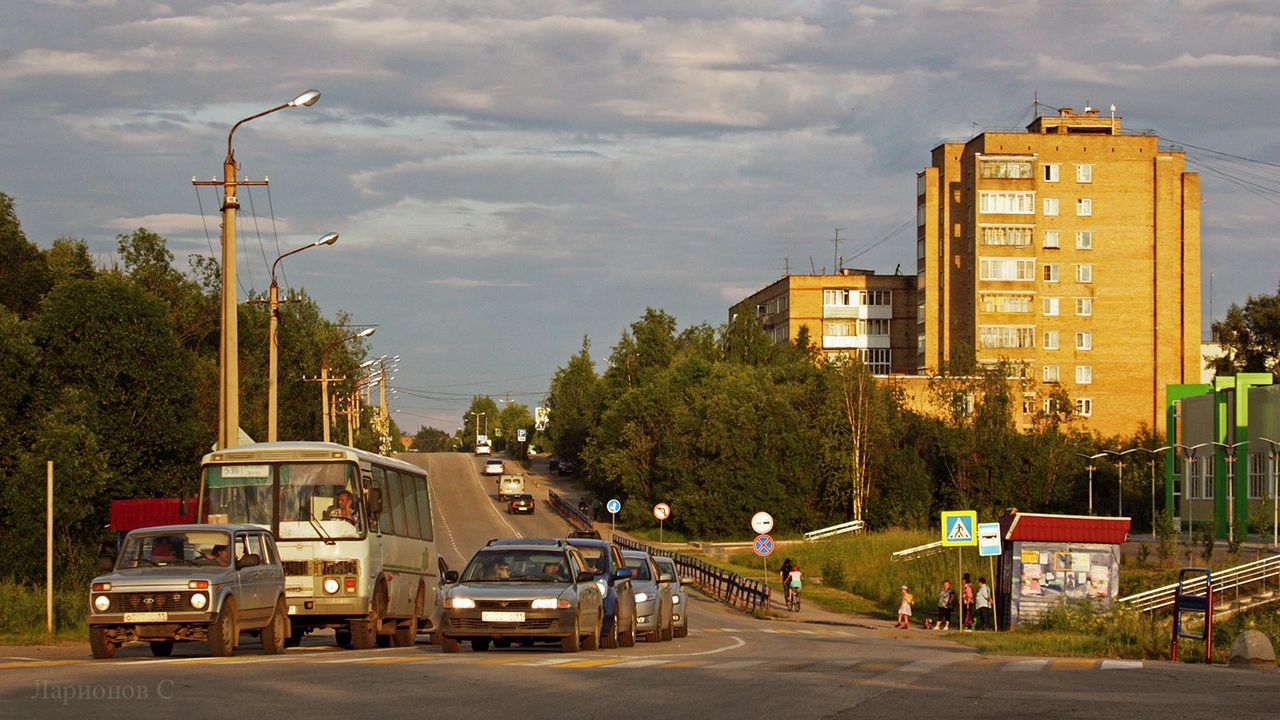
545,662
1121,665
1025,665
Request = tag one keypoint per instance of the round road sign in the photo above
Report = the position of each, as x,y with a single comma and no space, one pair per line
762,522
763,545
614,506
662,511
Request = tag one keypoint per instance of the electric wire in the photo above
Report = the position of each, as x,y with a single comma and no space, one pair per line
207,238
275,233
253,213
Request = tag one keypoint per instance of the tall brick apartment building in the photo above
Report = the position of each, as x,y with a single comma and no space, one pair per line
1074,248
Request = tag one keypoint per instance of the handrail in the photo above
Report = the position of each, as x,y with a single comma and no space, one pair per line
918,552
573,515
724,585
1232,578
844,527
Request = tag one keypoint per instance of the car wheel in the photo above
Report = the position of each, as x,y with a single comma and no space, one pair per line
611,638
573,643
666,634
295,637
103,648
277,630
480,645
628,639
682,631
449,645
593,640
222,633
343,638
163,648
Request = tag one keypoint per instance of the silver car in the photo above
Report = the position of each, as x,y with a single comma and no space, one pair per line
652,590
180,583
679,598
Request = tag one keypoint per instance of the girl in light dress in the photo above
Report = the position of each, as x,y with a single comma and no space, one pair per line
904,610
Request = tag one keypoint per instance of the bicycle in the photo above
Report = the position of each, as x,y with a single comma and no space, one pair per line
793,599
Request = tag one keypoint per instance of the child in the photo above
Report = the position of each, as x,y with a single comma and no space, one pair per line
904,610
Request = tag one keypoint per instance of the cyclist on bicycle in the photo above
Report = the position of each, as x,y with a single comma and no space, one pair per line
794,584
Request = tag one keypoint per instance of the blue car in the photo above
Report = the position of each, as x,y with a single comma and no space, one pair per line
614,578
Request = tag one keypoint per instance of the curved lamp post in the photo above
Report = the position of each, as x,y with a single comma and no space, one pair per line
272,342
1091,468
324,374
228,356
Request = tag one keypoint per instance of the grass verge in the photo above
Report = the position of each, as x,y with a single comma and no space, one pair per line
22,615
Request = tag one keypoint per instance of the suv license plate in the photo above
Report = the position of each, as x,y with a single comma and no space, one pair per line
146,617
502,616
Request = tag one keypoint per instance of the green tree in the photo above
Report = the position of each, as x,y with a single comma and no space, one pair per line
574,403
429,439
1250,335
24,273
480,419
69,259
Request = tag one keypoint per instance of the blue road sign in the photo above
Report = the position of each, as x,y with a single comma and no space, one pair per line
988,539
613,506
763,545
521,435
958,528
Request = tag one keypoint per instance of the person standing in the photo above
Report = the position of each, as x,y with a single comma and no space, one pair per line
966,603
904,609
982,604
946,601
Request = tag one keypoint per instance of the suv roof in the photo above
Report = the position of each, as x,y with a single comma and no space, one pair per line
529,542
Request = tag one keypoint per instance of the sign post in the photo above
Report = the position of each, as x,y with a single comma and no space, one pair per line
762,523
957,532
661,511
614,506
989,546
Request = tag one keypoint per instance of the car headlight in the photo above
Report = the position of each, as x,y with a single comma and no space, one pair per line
101,603
199,600
675,599
331,586
460,603
642,597
604,587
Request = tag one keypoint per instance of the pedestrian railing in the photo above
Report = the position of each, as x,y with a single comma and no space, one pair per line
725,586
918,552
1237,588
845,527
566,510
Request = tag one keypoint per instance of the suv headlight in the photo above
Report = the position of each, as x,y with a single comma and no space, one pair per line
460,603
549,604
101,603
199,600
641,597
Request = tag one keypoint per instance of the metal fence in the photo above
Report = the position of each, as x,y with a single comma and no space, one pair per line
724,585
1254,583
566,510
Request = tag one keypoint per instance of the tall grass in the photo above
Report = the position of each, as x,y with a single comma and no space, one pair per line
22,614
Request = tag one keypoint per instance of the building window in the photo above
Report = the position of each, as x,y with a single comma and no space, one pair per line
1051,373
1050,406
1050,339
853,328
1006,269
1084,341
920,312
1084,407
1051,239
1050,172
876,359
1051,206
1009,203
1084,306
1001,235
1028,403
1260,485
1050,305
1199,481
920,344
1049,272
1084,273
1001,303
1084,173
1006,336
1084,374
1084,239
1084,207
853,298
1005,168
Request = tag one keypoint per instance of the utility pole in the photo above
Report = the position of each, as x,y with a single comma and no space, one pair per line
835,255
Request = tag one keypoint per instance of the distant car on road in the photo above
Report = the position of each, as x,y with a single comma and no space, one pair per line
483,448
679,598
522,592
553,464
493,466
521,503
177,583
653,596
510,486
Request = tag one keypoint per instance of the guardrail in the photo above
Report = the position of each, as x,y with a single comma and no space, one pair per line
918,552
1235,578
724,585
566,510
845,527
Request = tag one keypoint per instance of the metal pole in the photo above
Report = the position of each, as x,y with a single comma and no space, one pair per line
48,549
1120,484
229,378
324,394
273,300
1231,494
1090,488
1153,497
995,612
1275,504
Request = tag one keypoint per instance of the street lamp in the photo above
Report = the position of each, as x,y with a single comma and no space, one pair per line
273,300
228,348
1090,468
1231,486
324,374
1152,452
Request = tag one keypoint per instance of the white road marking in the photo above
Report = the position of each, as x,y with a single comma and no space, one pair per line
545,662
435,505
1025,665
1121,665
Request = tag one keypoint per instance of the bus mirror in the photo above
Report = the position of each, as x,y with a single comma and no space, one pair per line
375,501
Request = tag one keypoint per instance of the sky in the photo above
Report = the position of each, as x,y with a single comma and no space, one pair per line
509,176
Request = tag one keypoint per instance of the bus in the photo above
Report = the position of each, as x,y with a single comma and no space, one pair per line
354,532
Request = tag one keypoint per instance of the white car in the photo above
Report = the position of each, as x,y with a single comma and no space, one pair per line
493,466
483,448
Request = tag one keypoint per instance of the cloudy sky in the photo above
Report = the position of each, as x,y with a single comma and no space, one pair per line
509,176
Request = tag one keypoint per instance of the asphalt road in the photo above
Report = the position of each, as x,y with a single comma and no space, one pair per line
731,665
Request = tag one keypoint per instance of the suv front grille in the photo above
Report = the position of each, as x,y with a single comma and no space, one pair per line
477,624
151,601
504,604
321,567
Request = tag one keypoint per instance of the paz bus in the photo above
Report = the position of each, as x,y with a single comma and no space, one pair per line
353,529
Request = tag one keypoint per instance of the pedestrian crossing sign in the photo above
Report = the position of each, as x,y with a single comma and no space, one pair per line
958,528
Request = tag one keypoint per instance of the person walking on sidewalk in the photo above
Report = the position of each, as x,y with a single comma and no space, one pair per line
946,601
982,604
904,610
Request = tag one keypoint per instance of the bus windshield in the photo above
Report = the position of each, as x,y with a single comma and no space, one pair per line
309,494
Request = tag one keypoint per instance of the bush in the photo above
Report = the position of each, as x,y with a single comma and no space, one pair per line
22,613
833,574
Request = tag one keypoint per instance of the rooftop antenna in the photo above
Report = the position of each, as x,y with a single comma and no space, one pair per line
812,270
835,254
786,266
